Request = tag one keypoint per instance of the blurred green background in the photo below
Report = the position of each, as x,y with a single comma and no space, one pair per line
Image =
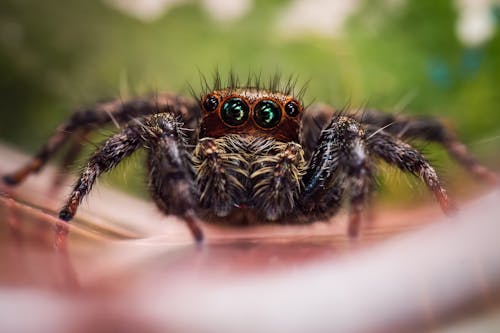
392,55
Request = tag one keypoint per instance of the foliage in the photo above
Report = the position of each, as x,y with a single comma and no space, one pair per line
57,55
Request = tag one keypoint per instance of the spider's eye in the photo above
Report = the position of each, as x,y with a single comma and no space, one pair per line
292,109
211,103
234,111
267,113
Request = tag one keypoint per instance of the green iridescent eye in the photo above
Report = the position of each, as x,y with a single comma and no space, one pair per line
267,114
234,111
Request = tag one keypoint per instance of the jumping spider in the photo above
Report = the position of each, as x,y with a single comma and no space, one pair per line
246,153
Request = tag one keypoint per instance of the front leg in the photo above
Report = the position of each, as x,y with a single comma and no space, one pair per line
340,164
170,180
170,172
112,152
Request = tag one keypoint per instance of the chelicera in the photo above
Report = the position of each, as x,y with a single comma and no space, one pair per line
242,154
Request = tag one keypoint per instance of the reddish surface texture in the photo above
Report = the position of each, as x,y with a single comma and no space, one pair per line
125,267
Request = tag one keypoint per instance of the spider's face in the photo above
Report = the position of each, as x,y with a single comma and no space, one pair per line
250,111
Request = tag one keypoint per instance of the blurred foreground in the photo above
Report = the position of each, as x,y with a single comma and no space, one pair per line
127,268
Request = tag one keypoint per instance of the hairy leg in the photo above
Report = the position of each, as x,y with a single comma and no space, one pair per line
340,165
112,152
117,111
170,180
170,176
400,126
406,158
428,129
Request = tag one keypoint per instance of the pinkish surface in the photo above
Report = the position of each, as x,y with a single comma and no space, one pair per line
128,268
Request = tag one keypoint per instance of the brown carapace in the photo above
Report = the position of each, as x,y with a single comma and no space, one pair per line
247,154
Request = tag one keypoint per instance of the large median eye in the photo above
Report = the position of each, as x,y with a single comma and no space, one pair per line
234,111
267,114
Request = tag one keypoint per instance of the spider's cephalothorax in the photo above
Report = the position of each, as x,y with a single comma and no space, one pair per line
250,155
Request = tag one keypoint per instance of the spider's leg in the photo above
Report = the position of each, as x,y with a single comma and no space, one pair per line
428,129
103,114
408,159
170,181
112,152
339,165
170,172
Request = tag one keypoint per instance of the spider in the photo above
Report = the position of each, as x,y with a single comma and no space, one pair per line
252,154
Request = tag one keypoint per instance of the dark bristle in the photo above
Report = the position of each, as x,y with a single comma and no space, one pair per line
204,82
193,92
204,86
233,80
156,105
362,111
342,112
258,80
217,80
249,79
300,94
275,83
290,83
306,106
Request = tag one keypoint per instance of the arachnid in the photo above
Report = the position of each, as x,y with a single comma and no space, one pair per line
246,154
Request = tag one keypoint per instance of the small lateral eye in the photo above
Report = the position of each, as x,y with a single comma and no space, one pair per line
267,113
292,109
210,103
234,111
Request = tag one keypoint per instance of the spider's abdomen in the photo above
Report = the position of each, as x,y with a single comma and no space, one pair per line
259,173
